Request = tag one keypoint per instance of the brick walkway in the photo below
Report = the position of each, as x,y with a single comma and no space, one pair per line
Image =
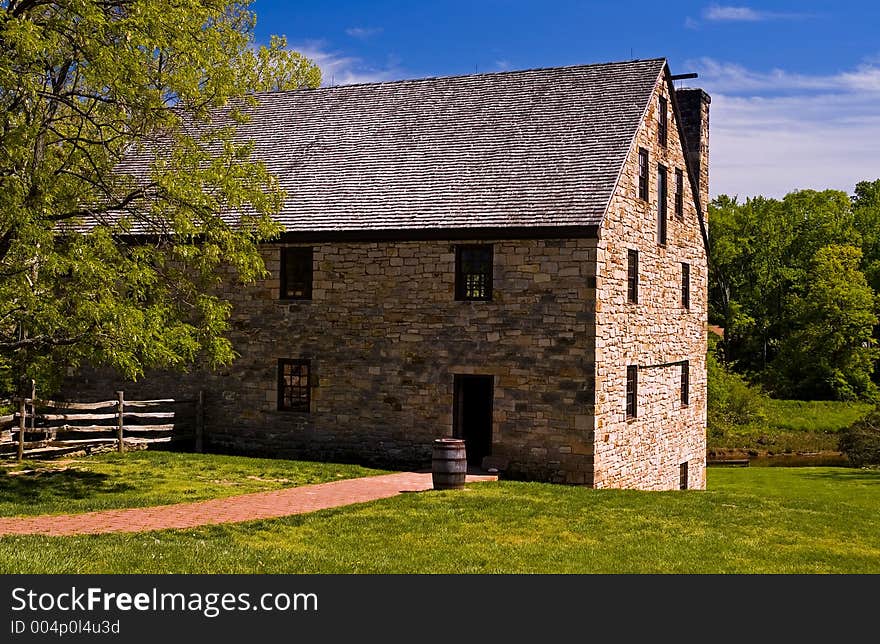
245,507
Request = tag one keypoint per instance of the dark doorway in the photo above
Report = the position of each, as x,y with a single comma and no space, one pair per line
472,415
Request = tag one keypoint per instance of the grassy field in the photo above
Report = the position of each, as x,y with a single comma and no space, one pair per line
751,520
792,426
144,478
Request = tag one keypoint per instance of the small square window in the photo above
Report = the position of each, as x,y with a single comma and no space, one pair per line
679,193
632,391
294,388
296,273
632,276
663,119
643,174
473,272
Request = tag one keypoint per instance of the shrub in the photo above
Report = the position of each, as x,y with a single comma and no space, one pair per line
731,400
861,441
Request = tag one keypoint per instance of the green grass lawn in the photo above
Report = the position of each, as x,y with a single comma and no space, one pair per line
751,520
793,426
143,478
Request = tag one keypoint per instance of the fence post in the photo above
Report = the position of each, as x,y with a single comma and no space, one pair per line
120,405
22,413
200,421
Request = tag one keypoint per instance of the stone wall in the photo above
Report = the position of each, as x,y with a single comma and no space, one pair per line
656,333
385,335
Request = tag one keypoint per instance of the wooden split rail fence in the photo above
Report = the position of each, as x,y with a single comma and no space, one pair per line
44,428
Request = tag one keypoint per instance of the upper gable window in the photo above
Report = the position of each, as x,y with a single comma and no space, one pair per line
662,196
663,119
643,174
632,276
679,193
473,272
296,273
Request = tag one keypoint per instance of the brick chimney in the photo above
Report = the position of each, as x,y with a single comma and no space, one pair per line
693,107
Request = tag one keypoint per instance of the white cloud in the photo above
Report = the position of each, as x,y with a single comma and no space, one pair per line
363,32
338,68
773,132
771,146
502,65
716,12
725,13
736,78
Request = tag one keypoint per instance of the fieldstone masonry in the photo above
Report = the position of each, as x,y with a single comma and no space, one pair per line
385,337
656,334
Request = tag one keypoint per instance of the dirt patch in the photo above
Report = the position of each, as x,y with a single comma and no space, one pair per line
265,480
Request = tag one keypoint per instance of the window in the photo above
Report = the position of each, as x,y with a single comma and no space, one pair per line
643,174
661,204
683,476
632,391
679,193
686,285
685,383
294,393
632,276
296,273
662,129
473,272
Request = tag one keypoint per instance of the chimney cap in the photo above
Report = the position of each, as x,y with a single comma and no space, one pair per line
676,77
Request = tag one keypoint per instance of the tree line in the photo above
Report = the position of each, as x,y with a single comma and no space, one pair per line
794,282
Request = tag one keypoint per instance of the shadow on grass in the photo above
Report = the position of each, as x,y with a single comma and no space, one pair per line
41,486
845,475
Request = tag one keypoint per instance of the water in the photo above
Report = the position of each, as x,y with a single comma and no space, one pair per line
821,459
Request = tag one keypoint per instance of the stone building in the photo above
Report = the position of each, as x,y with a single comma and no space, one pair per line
515,258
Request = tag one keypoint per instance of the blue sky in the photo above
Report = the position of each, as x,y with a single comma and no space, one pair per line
795,85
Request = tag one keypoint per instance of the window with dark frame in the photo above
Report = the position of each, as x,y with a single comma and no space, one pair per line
643,174
632,391
662,129
686,285
683,476
296,273
661,203
473,272
679,193
685,383
294,390
632,276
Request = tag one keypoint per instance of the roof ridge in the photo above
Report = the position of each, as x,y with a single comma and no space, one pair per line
456,76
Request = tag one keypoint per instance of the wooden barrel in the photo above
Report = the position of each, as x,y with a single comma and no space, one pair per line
449,464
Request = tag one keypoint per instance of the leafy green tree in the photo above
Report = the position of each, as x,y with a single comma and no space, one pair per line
866,212
830,352
84,85
761,255
748,247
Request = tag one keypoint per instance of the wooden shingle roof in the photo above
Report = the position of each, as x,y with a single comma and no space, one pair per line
534,148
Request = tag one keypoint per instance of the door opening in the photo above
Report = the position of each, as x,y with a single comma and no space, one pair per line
472,415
